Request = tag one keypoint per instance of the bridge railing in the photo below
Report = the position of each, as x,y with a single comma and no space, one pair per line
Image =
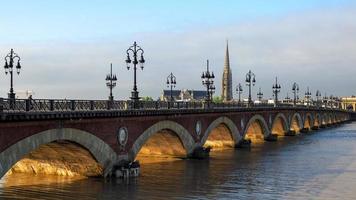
65,105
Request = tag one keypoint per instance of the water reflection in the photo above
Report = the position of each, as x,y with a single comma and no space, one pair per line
320,165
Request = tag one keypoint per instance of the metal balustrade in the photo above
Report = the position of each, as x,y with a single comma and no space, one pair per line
64,105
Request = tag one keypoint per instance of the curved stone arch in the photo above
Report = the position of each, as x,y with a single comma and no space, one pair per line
261,120
101,151
235,134
331,119
182,133
299,120
317,117
325,118
285,121
311,119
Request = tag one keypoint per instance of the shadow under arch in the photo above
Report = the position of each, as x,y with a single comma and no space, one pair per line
325,119
100,150
228,123
280,125
308,121
183,135
296,122
256,122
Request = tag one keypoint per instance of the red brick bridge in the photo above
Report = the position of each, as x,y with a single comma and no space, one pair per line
113,132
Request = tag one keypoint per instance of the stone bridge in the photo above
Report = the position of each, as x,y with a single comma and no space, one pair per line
112,136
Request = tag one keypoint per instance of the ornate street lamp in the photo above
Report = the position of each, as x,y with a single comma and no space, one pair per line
208,82
325,99
308,96
250,81
171,82
259,95
135,49
239,91
276,89
295,89
9,68
111,82
318,98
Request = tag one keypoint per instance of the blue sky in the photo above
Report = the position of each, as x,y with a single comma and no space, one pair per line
84,36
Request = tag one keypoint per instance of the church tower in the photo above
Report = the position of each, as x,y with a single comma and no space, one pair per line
226,92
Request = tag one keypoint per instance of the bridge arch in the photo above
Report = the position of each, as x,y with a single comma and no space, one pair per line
296,122
317,119
280,124
228,123
101,151
256,122
308,121
325,119
184,136
331,118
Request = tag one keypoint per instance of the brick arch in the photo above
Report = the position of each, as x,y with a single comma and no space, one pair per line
101,151
182,133
325,118
299,120
262,122
311,120
284,119
228,123
317,117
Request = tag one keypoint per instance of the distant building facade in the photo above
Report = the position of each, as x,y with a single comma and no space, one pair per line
348,103
226,91
183,95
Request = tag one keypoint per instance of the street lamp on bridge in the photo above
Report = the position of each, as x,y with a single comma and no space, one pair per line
259,95
171,82
308,96
9,68
208,82
250,81
135,49
295,89
276,89
318,98
111,82
239,91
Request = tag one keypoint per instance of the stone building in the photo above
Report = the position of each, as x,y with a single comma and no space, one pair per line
183,95
226,92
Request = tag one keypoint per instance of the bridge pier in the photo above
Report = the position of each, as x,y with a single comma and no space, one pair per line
200,153
304,130
271,137
243,144
290,133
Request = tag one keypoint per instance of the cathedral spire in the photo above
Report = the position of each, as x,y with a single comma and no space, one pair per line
226,92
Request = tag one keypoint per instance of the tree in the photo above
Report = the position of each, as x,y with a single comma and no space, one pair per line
147,98
217,99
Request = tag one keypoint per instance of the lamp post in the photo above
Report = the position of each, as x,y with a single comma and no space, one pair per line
9,68
207,80
276,89
111,82
259,95
135,49
318,98
239,91
308,96
250,81
331,101
171,82
295,89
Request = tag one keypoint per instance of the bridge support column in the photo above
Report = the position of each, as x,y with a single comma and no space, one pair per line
200,153
304,130
272,137
125,169
243,144
314,128
291,133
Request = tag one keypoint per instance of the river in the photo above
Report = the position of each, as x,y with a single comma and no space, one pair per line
318,165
